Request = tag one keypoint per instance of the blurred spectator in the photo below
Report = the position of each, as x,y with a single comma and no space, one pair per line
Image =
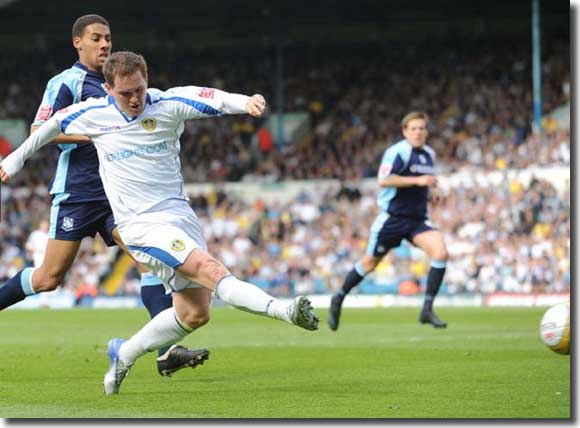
5,146
36,244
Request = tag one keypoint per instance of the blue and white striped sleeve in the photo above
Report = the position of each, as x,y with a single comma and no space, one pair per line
394,161
61,91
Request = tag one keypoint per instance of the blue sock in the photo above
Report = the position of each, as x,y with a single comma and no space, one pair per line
154,298
434,279
16,288
354,277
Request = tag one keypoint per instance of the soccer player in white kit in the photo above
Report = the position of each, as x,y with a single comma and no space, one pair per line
136,133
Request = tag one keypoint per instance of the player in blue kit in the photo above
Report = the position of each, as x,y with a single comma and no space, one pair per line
406,175
80,207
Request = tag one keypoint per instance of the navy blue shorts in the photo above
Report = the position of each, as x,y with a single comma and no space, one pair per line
387,232
73,221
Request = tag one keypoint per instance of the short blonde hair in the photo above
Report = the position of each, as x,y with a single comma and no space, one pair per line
412,116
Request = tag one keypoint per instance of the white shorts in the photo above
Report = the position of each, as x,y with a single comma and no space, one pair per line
162,238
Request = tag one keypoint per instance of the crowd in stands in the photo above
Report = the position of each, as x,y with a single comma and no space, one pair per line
514,239
480,102
511,239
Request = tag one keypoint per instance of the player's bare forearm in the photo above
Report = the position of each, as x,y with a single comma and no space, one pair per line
65,139
400,181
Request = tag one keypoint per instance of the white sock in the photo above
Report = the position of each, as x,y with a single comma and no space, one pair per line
250,298
164,329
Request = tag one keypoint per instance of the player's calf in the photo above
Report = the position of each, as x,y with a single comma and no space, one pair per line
21,286
44,281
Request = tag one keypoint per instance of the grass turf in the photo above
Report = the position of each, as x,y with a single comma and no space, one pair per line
381,363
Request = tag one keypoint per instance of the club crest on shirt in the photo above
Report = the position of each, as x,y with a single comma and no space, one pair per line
68,224
177,245
149,124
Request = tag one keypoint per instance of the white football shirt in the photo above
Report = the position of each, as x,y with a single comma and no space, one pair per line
139,157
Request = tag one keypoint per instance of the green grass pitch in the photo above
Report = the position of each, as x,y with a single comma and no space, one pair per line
381,363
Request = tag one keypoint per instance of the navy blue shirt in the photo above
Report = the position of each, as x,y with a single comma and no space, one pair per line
77,174
405,160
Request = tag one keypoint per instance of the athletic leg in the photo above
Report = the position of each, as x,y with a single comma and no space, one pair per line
173,357
386,233
433,243
192,309
152,289
201,268
58,259
361,269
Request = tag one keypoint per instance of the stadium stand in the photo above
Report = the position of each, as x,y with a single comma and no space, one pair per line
479,100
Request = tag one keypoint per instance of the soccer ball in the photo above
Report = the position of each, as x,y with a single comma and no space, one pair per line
555,328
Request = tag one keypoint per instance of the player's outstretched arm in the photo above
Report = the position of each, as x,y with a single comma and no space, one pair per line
65,139
15,160
194,102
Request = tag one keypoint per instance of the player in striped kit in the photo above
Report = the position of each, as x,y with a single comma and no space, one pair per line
406,175
136,133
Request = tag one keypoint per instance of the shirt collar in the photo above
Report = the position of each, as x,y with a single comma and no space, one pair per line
91,73
111,100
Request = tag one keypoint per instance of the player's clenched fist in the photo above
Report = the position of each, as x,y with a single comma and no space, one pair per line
256,105
4,175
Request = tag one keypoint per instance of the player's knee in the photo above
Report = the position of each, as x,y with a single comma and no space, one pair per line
196,319
48,281
213,270
369,264
441,254
204,269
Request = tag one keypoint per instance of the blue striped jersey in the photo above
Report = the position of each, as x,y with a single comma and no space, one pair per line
77,174
405,160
